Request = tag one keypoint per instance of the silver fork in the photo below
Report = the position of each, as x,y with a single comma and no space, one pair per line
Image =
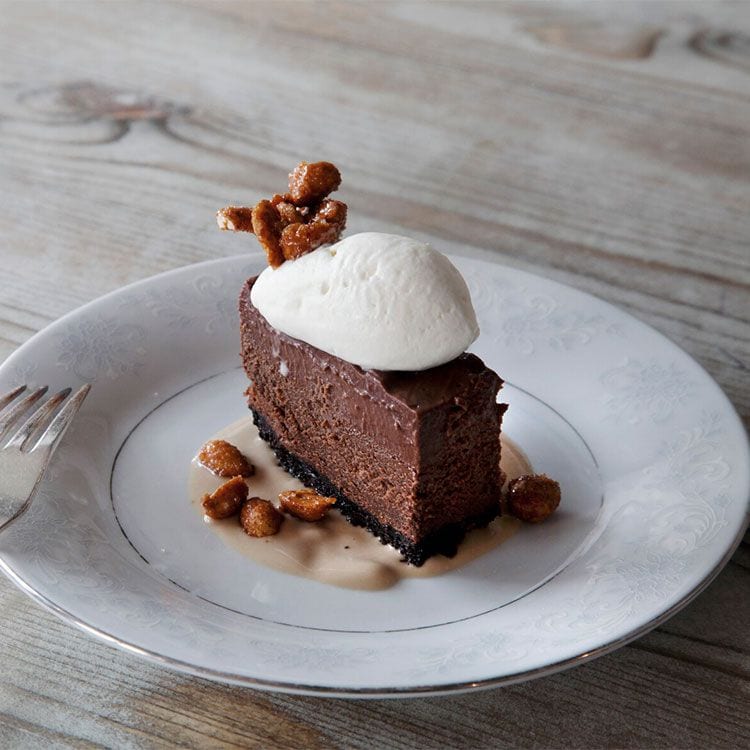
27,446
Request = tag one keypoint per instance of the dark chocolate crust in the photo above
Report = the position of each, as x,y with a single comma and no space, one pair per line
444,541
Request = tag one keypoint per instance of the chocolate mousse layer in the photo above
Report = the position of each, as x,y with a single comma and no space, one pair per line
412,456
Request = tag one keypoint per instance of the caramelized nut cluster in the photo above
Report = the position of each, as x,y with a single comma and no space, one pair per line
533,497
306,505
293,224
225,460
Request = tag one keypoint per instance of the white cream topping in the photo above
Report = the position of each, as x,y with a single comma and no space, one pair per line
380,301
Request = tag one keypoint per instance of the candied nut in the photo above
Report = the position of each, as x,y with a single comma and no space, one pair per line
258,517
306,505
533,497
226,500
235,219
288,212
324,227
330,211
225,460
309,183
267,227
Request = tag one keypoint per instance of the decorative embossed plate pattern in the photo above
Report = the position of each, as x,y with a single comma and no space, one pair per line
670,481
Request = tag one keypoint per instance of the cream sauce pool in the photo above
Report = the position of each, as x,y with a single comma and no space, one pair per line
332,550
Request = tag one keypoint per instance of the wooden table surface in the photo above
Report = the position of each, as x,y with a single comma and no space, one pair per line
606,145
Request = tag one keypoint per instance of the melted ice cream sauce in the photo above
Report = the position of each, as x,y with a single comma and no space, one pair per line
332,550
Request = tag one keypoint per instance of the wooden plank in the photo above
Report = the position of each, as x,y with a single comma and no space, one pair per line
606,145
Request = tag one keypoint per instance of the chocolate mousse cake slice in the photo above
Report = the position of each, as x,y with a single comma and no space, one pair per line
358,382
412,456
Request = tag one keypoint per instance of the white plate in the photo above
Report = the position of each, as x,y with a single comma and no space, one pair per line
651,456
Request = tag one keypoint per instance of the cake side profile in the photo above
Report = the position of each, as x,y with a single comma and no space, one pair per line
414,456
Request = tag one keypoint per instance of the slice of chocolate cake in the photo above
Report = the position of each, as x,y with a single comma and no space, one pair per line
359,383
412,456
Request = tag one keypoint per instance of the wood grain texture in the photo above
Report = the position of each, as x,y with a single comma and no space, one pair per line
606,145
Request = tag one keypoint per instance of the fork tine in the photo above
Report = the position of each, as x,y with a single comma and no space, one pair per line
14,414
8,397
63,419
37,419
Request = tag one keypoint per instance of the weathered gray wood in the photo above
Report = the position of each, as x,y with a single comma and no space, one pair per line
603,144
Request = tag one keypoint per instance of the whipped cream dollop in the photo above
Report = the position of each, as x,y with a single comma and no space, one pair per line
380,301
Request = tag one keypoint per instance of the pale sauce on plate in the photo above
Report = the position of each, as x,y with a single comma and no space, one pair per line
332,550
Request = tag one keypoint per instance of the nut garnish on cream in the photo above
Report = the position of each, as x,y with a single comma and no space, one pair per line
290,225
380,301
